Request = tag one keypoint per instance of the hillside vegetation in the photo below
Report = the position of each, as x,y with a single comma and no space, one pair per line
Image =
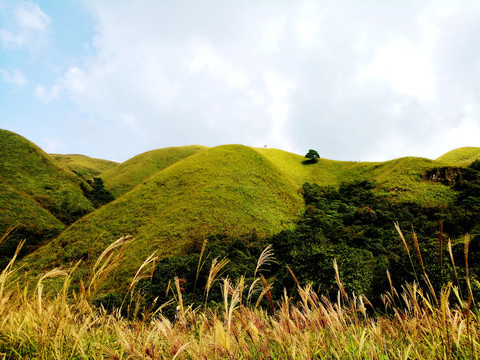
229,190
302,324
399,180
38,196
31,171
132,172
257,254
84,166
171,199
461,156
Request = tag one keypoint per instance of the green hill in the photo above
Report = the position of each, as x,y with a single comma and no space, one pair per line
127,175
400,179
230,190
38,196
171,199
461,156
84,166
31,171
28,220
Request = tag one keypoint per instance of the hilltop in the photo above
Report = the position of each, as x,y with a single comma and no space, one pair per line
84,166
461,156
127,175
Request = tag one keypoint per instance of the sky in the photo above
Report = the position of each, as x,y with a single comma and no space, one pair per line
368,80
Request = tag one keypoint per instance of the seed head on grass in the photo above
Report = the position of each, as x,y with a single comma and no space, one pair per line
215,269
110,259
339,283
265,258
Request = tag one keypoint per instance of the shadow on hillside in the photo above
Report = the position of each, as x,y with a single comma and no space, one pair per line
309,162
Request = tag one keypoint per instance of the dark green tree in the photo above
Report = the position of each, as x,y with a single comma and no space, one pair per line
98,194
312,155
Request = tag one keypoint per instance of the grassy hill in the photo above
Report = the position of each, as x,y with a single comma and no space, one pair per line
398,179
230,190
170,199
461,156
28,220
38,196
31,171
84,166
127,175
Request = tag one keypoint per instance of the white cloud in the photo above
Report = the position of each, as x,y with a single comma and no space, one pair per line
72,82
406,67
14,77
308,22
47,94
29,27
353,79
205,58
465,133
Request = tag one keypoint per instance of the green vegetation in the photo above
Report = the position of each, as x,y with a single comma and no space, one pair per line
312,156
124,177
461,156
229,190
400,180
354,225
313,251
84,166
25,219
247,323
38,196
237,192
31,171
97,193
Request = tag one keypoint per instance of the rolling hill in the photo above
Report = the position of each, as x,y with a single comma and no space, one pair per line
171,199
84,166
461,156
38,196
127,175
230,190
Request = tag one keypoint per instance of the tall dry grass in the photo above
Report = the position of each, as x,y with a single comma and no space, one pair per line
62,324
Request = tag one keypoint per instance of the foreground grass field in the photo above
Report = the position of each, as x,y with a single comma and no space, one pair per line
51,322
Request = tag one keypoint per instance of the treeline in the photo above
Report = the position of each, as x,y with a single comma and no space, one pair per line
354,226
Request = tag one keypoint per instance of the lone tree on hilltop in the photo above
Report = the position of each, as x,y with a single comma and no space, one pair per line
312,155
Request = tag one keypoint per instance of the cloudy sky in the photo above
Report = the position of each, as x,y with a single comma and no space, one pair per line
355,80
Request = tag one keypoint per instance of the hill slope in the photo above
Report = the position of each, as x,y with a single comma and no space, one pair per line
399,179
461,156
29,170
84,166
37,195
127,175
170,199
229,190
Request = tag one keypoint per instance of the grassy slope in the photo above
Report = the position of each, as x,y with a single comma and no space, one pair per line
398,179
461,156
236,190
29,170
132,172
84,166
36,194
228,189
29,220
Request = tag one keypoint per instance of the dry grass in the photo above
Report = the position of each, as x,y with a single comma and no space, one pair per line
64,325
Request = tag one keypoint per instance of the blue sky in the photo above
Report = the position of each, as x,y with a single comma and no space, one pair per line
356,80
